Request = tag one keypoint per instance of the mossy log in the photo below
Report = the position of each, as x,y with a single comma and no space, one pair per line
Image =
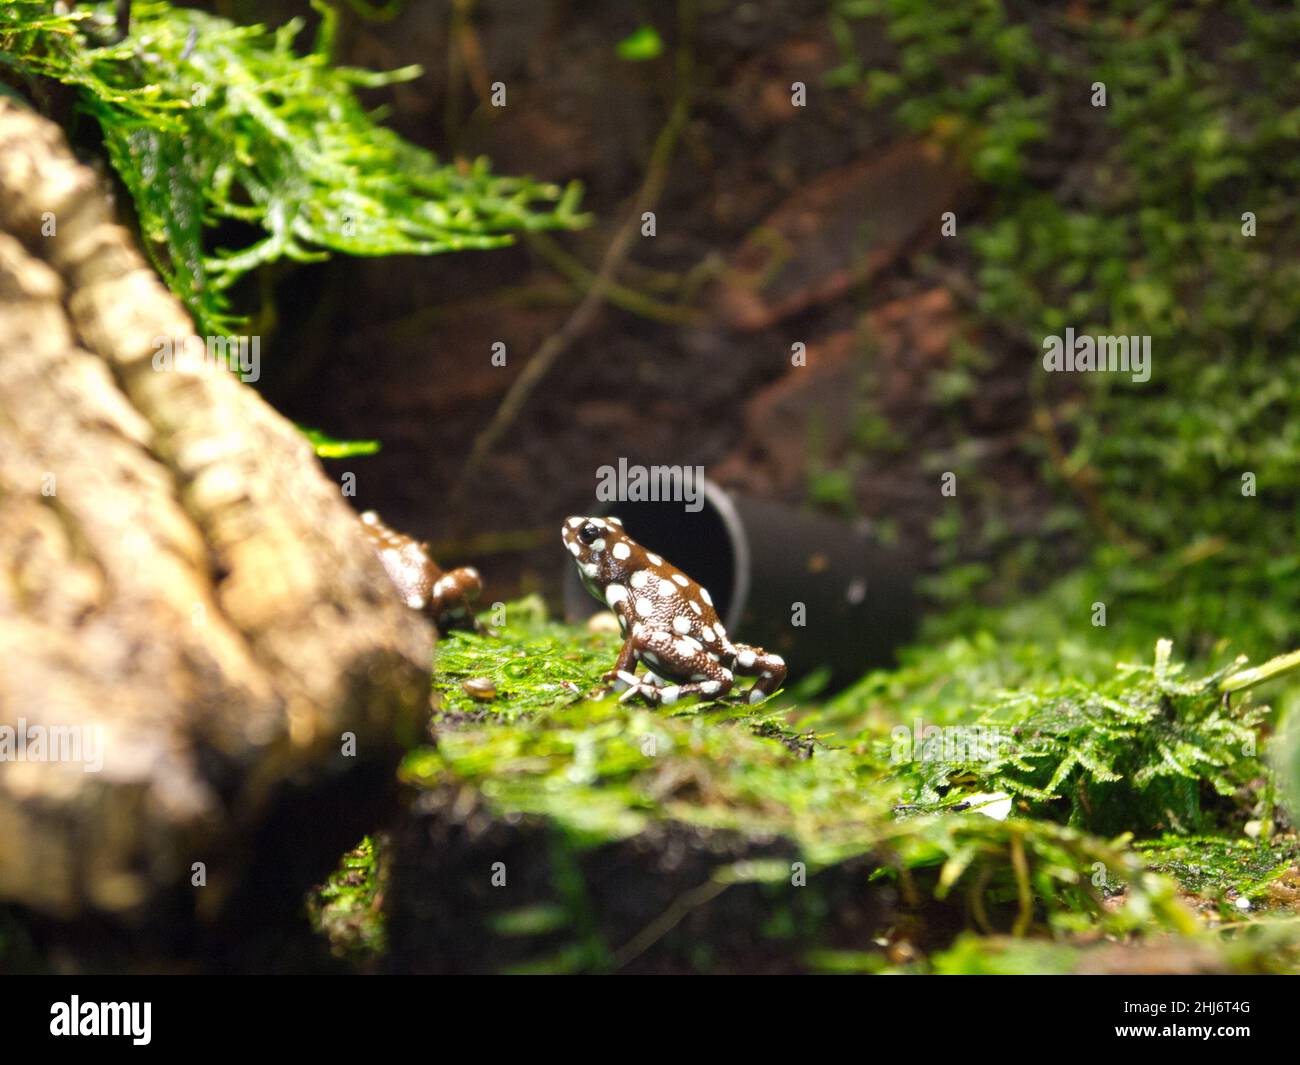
183,594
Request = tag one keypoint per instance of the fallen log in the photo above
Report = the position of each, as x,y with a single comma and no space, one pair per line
199,644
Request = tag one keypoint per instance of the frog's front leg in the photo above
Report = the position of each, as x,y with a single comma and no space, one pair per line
768,668
677,655
625,663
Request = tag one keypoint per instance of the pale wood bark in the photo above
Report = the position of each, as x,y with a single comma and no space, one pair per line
175,570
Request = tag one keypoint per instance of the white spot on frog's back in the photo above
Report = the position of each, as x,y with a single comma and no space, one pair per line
696,607
682,625
644,607
666,589
597,546
680,580
640,579
655,560
686,647
704,594
615,594
622,552
707,633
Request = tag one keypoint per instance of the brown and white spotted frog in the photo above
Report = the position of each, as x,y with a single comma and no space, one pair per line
446,598
668,621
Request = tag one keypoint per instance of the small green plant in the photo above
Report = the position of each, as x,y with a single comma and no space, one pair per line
641,44
328,447
347,908
1133,753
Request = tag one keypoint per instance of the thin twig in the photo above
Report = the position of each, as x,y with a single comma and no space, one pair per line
1023,891
619,295
546,356
666,922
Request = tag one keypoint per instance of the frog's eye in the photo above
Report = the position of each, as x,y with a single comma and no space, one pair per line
589,534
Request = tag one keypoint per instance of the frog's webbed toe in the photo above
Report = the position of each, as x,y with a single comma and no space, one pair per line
636,686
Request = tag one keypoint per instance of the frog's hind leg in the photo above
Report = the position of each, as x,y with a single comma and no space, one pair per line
768,668
664,652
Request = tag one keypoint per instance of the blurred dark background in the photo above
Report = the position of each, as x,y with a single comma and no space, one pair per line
399,349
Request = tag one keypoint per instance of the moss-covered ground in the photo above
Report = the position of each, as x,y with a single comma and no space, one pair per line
550,830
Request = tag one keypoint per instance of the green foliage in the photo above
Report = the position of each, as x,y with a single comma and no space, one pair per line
1127,220
1271,948
972,955
603,771
346,909
210,124
327,447
532,664
1218,866
1128,754
1286,759
641,44
599,772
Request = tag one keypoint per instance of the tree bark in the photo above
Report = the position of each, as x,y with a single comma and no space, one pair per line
177,578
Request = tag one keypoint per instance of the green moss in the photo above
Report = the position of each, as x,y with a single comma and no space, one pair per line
604,771
1123,219
1261,948
582,788
1135,752
1218,866
973,955
328,447
210,124
347,909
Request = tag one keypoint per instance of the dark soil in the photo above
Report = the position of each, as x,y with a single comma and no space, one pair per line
399,349
644,905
